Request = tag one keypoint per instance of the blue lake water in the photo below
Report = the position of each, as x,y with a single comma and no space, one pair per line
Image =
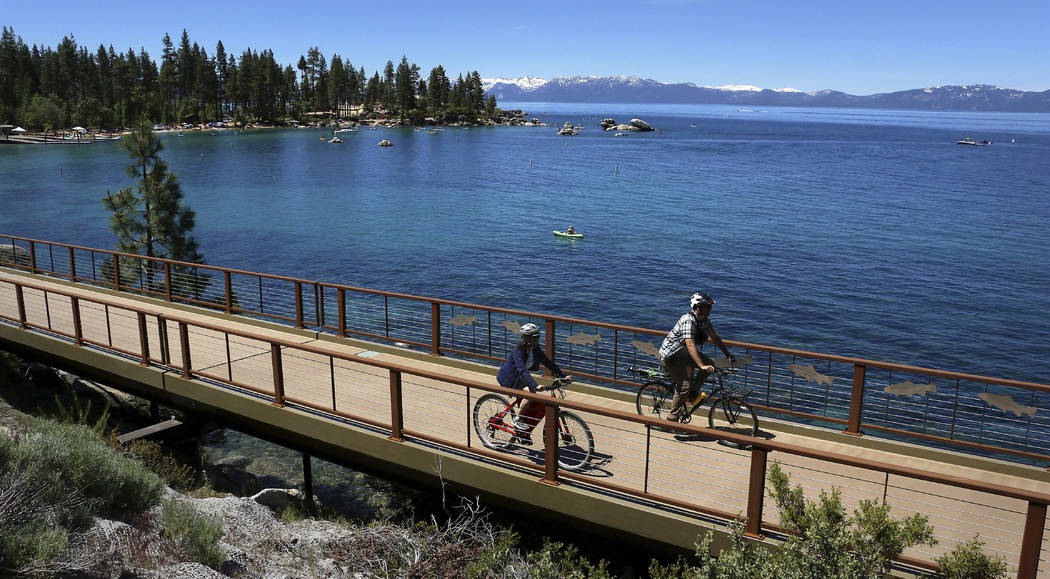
845,231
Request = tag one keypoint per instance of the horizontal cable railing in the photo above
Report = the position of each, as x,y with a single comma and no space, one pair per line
977,414
675,465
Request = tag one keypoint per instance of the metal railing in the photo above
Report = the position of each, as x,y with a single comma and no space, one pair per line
978,414
374,392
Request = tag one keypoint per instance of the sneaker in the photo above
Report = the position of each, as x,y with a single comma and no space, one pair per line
523,439
519,424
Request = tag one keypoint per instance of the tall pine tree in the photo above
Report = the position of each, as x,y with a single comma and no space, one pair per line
151,220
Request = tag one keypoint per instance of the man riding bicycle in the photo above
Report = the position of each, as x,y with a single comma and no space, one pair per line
526,357
680,351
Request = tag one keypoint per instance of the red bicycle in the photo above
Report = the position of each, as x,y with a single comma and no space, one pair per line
494,418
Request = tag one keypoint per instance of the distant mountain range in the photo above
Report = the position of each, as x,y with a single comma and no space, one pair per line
632,89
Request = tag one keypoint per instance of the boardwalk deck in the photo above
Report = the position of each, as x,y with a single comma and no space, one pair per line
687,469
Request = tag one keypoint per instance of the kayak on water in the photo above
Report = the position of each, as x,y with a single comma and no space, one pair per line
567,234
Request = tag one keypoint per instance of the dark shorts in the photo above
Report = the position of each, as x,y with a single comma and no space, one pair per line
681,360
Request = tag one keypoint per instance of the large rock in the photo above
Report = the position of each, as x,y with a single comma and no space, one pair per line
278,499
13,255
640,125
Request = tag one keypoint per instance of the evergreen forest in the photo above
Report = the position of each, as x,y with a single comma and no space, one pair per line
44,88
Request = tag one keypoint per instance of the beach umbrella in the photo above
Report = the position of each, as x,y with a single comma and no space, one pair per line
19,130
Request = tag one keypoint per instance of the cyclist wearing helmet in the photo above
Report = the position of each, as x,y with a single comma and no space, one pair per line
526,357
680,351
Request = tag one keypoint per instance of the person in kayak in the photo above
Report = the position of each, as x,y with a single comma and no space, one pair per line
680,351
526,357
570,230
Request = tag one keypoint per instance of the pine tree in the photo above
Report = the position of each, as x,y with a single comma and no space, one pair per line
150,218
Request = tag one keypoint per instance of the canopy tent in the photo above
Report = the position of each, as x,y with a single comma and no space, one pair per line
19,130
79,129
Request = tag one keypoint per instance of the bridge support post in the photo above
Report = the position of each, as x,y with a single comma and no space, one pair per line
396,417
1032,541
756,492
308,485
856,403
550,445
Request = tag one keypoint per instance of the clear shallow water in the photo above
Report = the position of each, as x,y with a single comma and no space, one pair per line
845,231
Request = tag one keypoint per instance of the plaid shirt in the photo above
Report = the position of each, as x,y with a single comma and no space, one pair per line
687,327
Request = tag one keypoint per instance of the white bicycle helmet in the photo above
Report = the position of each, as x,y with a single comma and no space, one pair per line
529,330
700,299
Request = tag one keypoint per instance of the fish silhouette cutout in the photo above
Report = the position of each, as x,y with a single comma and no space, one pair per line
740,362
511,326
1006,403
810,373
909,388
646,348
464,320
584,339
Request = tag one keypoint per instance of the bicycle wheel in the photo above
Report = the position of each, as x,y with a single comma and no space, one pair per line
575,441
732,415
653,400
488,427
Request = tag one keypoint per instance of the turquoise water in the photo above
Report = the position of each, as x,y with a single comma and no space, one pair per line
846,231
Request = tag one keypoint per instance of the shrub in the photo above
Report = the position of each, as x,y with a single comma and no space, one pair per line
196,535
151,455
967,561
117,486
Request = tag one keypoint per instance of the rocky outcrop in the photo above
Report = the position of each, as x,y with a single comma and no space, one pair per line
636,125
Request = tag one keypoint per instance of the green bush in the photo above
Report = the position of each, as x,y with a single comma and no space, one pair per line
968,561
151,455
75,455
196,535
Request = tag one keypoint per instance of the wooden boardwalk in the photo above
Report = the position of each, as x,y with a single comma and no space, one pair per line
688,469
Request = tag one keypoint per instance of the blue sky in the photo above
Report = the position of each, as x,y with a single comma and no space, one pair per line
857,46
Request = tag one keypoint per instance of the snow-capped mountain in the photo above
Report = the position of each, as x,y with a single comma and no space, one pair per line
634,89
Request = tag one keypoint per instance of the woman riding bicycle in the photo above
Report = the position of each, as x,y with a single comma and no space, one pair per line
526,357
680,351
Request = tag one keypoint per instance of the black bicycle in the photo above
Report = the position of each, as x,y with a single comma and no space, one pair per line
494,418
730,411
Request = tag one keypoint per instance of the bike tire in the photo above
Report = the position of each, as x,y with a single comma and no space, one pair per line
654,400
485,409
732,415
575,442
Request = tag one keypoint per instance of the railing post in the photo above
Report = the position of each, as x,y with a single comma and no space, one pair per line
20,299
756,492
143,340
318,305
435,329
298,304
228,280
856,402
72,266
549,349
116,272
278,374
1032,541
341,296
184,343
165,348
78,332
167,281
32,257
396,417
550,445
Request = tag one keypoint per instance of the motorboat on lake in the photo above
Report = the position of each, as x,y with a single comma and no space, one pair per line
970,141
